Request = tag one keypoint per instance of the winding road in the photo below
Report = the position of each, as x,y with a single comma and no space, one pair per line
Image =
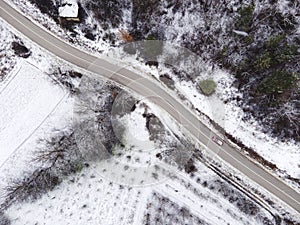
157,94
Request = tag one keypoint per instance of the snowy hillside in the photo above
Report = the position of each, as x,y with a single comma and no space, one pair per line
224,37
77,150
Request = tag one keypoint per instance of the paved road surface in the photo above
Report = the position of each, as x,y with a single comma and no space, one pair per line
159,96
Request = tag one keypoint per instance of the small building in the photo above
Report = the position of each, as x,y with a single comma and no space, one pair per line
69,10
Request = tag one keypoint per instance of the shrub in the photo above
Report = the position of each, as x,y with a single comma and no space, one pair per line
277,82
60,157
150,37
274,41
286,53
264,61
245,19
207,87
107,12
48,7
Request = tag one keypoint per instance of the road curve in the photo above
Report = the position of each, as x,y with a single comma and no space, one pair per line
157,95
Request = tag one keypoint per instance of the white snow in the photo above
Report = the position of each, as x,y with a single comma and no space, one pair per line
96,47
109,203
87,198
96,197
69,9
7,56
137,170
285,155
26,101
212,208
32,108
136,133
242,33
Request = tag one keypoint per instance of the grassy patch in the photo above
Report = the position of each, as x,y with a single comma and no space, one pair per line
207,87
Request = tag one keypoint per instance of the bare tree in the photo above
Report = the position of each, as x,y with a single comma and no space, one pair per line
58,158
4,220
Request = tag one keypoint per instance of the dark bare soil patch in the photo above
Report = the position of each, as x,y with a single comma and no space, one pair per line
167,80
20,49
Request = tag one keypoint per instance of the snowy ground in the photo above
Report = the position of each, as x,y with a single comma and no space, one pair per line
96,195
97,46
115,191
28,98
285,155
7,57
32,108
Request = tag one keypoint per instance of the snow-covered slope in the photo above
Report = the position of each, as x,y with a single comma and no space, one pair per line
187,24
119,190
110,192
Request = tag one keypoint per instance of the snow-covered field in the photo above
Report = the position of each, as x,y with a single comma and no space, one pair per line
27,100
88,198
98,195
32,108
285,155
95,196
117,191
